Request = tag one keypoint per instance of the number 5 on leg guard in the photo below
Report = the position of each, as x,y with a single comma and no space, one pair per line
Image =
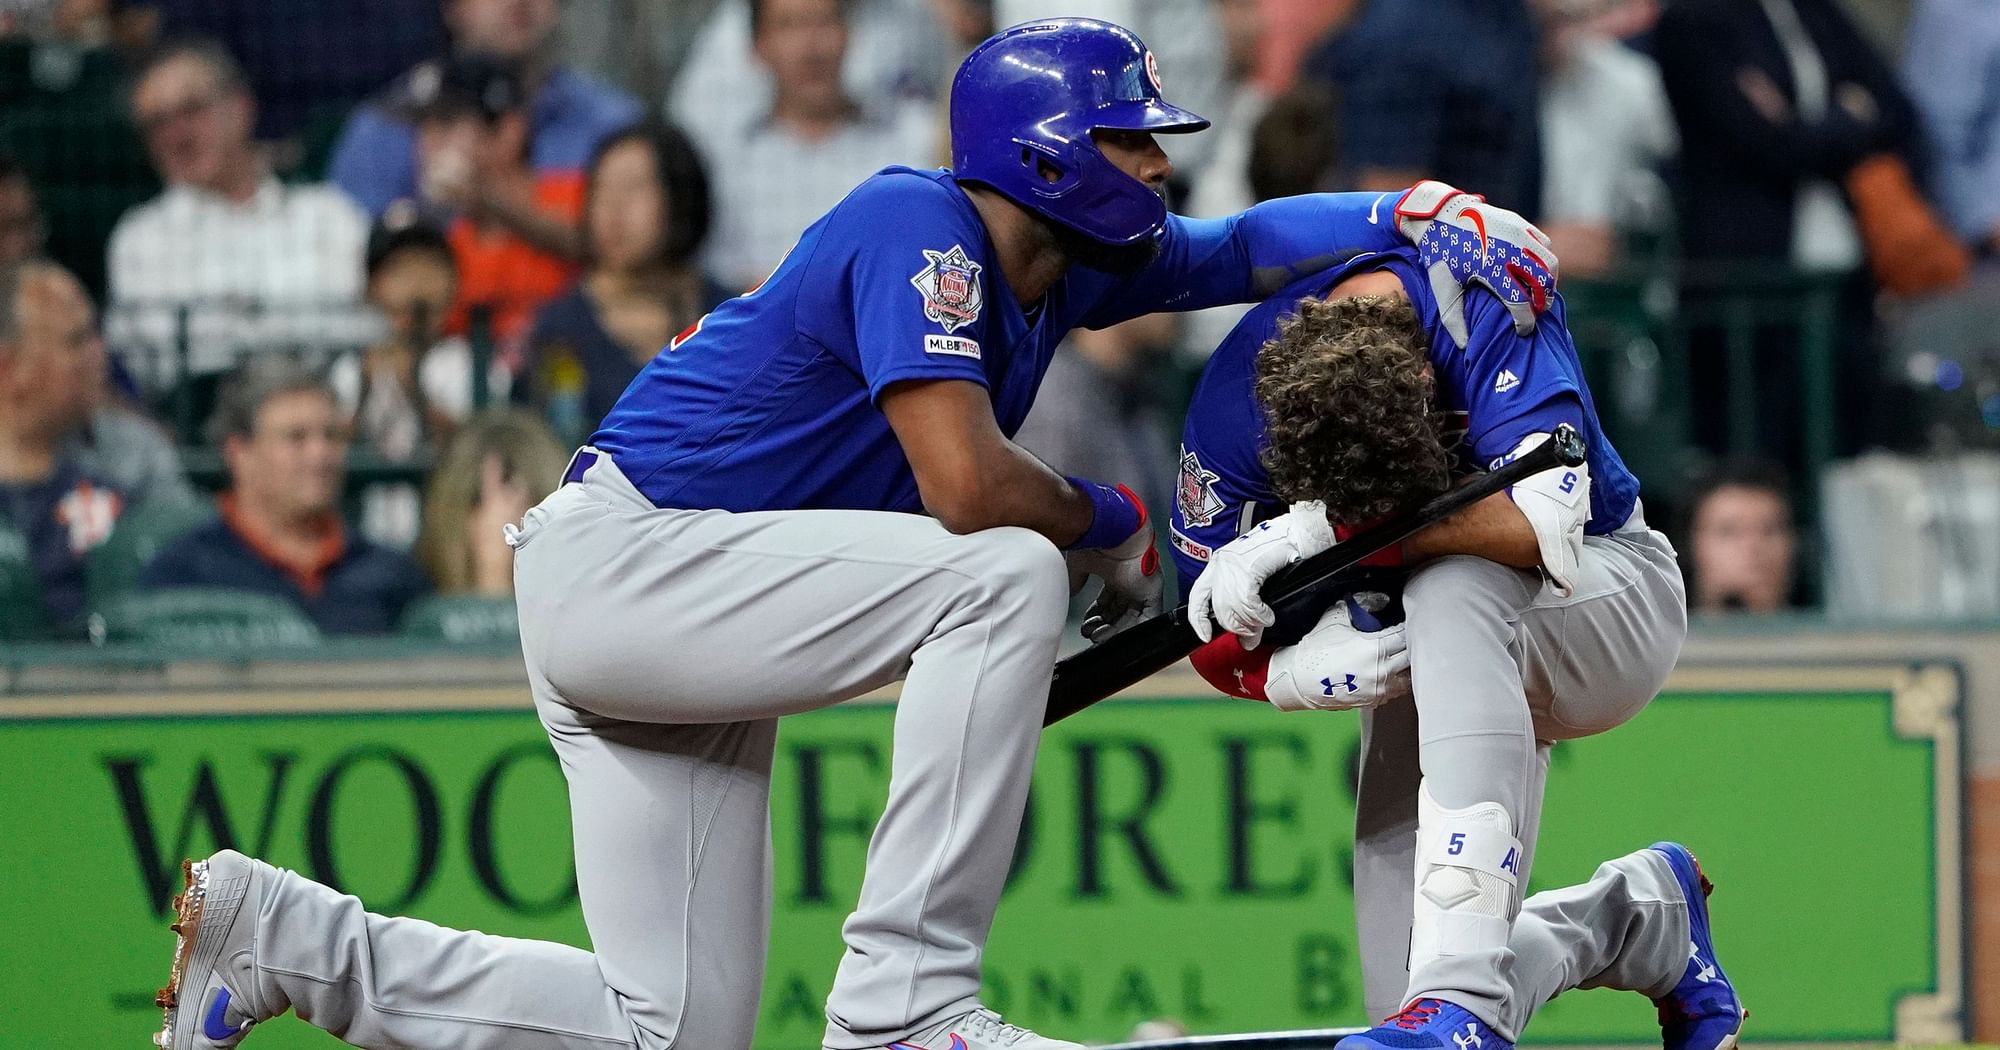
1468,883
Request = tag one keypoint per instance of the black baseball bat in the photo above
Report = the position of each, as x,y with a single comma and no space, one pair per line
1131,655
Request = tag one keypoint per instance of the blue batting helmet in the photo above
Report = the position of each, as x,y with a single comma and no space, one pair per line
1022,109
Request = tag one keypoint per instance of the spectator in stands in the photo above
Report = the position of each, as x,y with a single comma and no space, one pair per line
279,530
411,388
773,177
502,463
405,394
308,62
1606,129
646,217
1786,115
637,45
514,234
567,114
1419,104
1777,101
1222,186
118,443
21,229
897,54
51,376
255,264
1741,541
1951,68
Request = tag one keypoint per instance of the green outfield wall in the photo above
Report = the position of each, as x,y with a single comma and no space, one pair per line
1184,857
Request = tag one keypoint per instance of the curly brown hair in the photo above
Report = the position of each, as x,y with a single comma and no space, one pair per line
1346,391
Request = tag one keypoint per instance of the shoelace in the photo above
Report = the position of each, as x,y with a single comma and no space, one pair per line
1414,1015
993,1030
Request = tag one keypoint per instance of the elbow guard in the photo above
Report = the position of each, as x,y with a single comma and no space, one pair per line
1557,505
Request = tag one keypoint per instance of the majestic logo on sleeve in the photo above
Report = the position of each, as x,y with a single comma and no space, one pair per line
950,287
1196,493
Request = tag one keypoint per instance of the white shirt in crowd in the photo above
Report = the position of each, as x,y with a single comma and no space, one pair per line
770,183
283,270
1824,236
892,57
387,421
1606,127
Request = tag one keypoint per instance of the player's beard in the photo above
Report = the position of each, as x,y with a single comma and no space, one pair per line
1115,259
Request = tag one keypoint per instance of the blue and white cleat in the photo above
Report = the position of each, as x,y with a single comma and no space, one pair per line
1703,1011
1428,1024
215,918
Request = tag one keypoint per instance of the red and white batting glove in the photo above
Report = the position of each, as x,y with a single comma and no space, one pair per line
1131,574
1463,241
1338,666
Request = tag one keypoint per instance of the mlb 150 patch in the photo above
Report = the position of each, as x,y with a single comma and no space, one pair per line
955,345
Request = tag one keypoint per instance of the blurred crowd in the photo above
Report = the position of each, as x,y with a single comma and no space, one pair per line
304,300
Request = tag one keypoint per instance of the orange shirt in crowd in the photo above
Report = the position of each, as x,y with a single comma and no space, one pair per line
499,269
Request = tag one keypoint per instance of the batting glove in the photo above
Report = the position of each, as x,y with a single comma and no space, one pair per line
1131,575
1339,666
1462,240
1230,591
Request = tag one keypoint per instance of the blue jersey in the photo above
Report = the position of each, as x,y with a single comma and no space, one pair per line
1501,388
770,402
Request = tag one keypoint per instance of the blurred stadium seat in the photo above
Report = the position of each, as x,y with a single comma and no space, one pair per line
202,620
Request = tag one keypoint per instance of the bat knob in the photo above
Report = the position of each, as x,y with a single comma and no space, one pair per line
1569,445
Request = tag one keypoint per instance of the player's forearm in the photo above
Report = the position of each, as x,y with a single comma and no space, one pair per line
1010,487
1287,238
1493,529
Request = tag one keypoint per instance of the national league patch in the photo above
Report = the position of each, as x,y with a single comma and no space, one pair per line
950,287
1196,492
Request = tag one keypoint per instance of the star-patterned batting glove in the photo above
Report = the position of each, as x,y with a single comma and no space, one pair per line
1462,240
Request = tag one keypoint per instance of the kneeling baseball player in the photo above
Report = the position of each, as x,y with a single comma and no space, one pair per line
1547,613
746,538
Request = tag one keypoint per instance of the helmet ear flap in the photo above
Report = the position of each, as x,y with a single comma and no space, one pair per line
1050,173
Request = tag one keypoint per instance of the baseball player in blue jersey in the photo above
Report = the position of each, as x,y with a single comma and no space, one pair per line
810,494
1547,613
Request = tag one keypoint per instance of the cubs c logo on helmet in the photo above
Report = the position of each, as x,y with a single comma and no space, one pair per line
1153,72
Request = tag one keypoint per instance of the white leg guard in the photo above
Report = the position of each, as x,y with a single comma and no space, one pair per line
1468,873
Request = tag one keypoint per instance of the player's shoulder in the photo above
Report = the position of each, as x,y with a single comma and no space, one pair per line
905,192
899,210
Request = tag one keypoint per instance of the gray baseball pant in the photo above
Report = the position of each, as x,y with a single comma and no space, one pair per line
662,646
1501,668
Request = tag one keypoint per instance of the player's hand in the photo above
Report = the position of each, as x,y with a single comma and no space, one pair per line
1131,575
1462,241
1230,590
1339,666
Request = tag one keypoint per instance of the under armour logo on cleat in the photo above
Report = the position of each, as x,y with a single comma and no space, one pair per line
1470,1039
1704,970
1329,687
